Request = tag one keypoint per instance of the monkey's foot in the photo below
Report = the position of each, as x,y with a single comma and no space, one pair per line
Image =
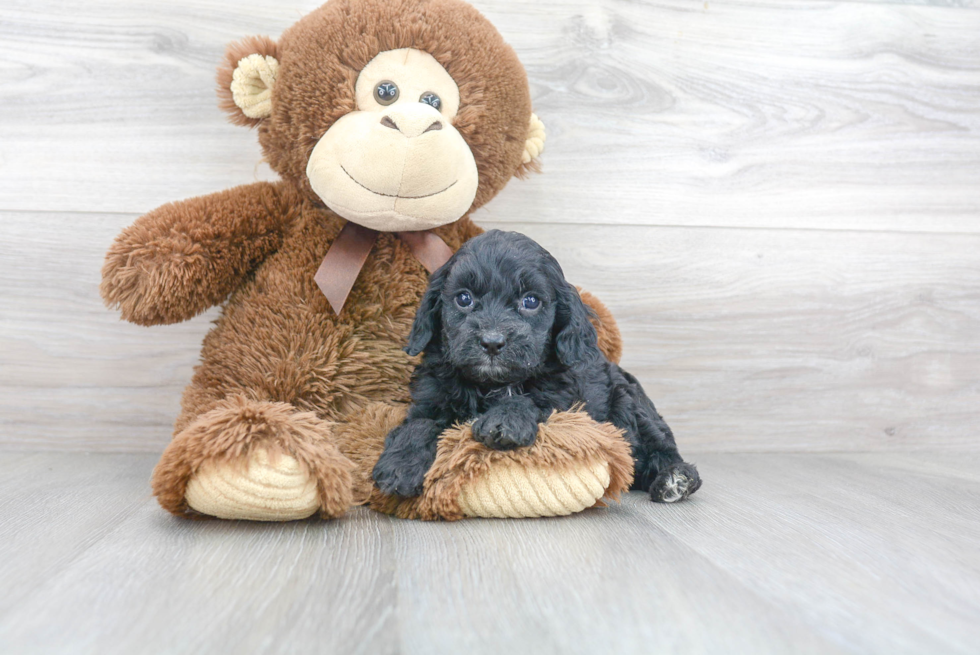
270,487
573,464
513,490
257,461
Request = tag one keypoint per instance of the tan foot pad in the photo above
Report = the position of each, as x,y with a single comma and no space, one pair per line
510,490
574,464
267,489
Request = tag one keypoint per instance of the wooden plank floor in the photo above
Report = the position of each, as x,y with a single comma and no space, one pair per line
778,553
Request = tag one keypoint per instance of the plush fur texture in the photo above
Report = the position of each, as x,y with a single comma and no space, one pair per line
236,426
508,341
280,369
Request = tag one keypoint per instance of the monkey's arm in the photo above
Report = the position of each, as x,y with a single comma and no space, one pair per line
184,257
610,341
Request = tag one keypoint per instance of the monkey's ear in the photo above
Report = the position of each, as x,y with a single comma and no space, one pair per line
533,147
428,318
246,78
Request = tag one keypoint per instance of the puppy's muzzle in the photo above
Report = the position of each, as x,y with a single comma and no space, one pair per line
492,342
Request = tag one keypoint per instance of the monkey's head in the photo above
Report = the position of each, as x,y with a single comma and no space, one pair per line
396,114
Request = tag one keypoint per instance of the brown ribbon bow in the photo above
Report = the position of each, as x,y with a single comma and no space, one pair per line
346,256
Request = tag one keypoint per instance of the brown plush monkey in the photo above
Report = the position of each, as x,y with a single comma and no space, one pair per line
389,122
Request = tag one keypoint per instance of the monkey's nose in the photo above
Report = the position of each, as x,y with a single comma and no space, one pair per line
412,120
492,342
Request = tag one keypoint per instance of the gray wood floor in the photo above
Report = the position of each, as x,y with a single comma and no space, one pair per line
778,553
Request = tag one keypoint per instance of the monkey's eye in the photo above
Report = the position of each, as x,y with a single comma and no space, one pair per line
432,100
464,299
530,302
386,92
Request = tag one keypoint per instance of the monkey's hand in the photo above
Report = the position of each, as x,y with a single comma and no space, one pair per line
184,257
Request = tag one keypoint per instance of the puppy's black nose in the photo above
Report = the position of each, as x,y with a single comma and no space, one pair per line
492,342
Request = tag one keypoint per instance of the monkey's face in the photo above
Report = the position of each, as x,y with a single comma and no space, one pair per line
397,114
396,162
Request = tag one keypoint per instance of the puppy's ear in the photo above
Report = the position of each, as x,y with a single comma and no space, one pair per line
576,340
428,318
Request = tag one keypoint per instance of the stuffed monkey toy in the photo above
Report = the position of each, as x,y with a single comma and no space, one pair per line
389,122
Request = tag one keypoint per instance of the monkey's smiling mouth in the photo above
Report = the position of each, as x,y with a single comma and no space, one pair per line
391,195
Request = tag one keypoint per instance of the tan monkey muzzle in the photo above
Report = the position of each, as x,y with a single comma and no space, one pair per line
397,163
410,169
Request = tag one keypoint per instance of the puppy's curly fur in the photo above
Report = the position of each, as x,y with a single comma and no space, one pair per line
507,340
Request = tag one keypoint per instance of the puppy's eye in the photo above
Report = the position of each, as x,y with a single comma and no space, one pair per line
464,299
530,302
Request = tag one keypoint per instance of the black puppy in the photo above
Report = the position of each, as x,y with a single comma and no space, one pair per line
507,340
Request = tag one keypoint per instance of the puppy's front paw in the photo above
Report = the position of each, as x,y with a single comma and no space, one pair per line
675,483
503,430
400,476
